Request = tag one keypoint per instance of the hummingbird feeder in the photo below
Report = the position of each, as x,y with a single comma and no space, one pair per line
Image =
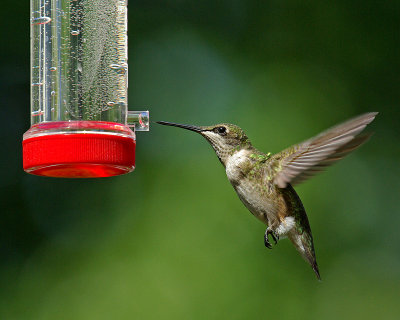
80,123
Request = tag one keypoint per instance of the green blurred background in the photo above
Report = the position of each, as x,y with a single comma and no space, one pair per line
172,240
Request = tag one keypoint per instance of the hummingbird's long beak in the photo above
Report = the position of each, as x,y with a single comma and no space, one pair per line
184,126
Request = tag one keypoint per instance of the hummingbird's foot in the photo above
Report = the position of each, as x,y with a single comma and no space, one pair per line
274,236
266,242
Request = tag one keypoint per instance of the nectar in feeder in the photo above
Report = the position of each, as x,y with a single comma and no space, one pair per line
80,123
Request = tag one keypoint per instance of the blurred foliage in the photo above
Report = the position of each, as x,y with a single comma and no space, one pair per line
172,240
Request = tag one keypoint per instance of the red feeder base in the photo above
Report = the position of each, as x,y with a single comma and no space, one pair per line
79,155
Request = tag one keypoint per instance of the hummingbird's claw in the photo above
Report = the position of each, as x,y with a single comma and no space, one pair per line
274,236
266,242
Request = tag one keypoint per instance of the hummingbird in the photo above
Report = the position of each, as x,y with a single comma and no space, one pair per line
264,181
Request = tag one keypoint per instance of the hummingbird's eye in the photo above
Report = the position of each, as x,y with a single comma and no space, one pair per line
220,130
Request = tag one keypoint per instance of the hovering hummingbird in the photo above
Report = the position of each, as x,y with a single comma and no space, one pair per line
264,182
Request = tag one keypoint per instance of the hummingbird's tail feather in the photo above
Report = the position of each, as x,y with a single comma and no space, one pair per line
309,256
304,245
316,270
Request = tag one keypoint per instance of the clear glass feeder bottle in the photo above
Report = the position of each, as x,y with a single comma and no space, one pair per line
80,123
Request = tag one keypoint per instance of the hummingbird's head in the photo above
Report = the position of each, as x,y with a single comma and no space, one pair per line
225,138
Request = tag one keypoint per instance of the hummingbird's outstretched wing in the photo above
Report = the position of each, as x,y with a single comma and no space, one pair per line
302,161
